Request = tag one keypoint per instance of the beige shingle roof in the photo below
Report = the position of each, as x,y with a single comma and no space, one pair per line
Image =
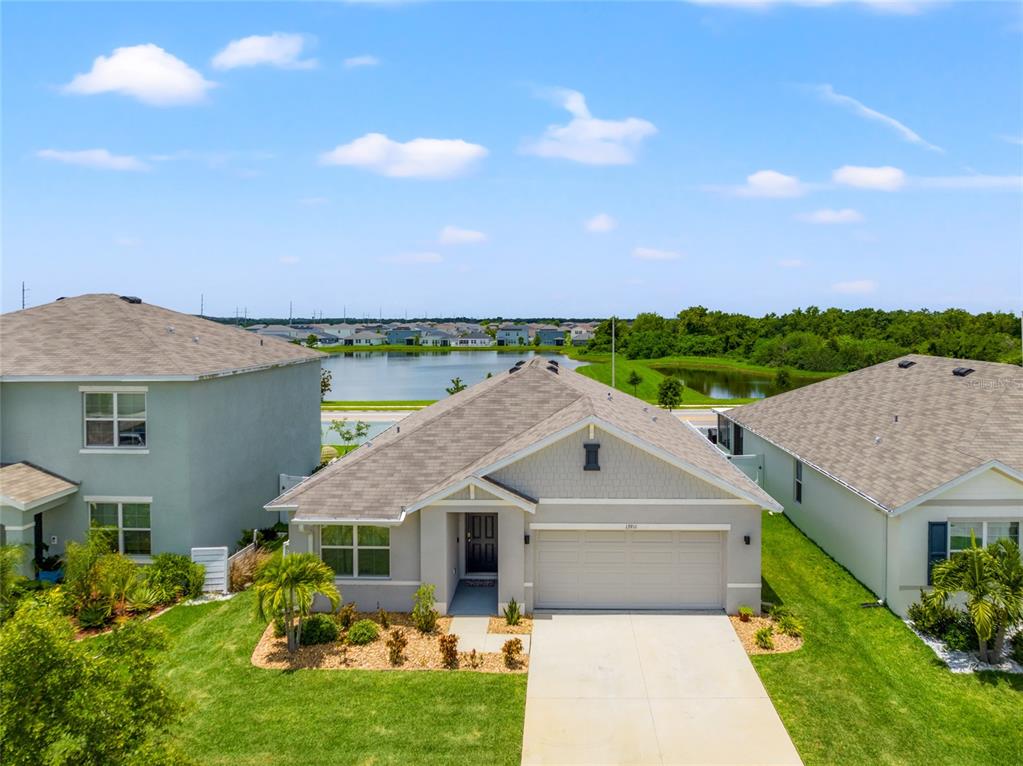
102,335
25,485
463,435
947,425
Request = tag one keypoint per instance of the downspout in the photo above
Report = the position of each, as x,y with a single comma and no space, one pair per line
884,578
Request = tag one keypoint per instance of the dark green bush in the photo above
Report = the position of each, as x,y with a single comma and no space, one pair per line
424,616
96,613
512,613
779,611
279,630
1016,651
931,617
318,629
764,637
363,632
790,626
176,575
956,638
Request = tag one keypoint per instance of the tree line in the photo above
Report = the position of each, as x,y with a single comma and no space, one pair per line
816,339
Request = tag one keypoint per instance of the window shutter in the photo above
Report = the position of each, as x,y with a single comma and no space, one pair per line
937,544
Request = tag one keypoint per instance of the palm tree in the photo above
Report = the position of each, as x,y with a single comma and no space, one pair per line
285,587
992,579
456,386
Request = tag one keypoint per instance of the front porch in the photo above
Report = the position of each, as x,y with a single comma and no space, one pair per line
474,597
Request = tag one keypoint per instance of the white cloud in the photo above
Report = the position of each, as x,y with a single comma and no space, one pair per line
100,159
453,235
289,260
829,216
279,50
1017,140
358,62
313,201
855,287
884,178
588,139
601,223
418,158
771,183
829,94
146,72
414,258
790,263
970,182
652,254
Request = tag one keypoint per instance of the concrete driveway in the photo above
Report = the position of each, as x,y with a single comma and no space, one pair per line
647,688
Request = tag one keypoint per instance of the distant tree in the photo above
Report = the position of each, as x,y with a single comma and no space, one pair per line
349,435
783,379
456,386
310,340
669,393
536,339
326,378
490,374
634,380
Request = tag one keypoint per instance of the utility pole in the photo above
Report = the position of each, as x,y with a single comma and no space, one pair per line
289,313
23,291
612,352
202,305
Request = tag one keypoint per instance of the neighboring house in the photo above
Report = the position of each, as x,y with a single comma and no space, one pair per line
283,331
889,468
581,338
364,338
473,338
551,336
512,335
558,490
171,428
403,336
434,337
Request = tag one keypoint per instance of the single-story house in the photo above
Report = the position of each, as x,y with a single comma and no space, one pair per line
581,338
473,338
364,338
430,336
891,467
548,487
403,336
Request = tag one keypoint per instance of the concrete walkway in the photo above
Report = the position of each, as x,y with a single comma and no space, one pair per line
472,634
647,688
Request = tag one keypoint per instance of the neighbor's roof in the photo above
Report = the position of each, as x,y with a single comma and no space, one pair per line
463,435
26,486
105,336
947,425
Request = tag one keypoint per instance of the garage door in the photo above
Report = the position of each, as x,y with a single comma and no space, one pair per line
628,569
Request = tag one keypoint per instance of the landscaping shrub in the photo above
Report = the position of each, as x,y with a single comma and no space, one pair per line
512,616
383,619
243,570
511,650
449,650
143,598
745,613
424,616
81,580
790,626
931,616
346,616
764,637
279,628
474,659
318,629
176,574
778,611
116,578
1017,648
95,613
396,647
363,632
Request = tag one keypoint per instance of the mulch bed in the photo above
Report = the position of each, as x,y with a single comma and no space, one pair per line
422,652
498,625
746,630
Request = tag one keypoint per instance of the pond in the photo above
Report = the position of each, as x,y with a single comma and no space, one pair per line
376,427
724,383
404,376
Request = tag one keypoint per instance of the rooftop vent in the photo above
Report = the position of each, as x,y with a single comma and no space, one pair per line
130,299
514,369
552,368
905,364
962,372
554,362
195,339
520,362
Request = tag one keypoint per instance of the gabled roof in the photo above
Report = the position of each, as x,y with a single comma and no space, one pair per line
26,486
468,434
105,336
947,425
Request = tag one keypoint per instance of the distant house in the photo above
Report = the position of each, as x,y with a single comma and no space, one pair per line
512,335
403,336
581,338
891,468
171,429
550,336
434,337
474,338
283,331
364,338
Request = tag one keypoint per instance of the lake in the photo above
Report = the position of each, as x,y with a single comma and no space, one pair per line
403,376
730,384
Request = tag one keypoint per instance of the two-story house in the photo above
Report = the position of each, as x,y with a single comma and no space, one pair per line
512,335
174,430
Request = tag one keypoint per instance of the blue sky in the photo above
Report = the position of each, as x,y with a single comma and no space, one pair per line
514,159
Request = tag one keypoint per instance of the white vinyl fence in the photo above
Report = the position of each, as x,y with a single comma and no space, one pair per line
215,561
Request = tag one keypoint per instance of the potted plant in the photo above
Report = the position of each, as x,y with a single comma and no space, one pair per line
50,569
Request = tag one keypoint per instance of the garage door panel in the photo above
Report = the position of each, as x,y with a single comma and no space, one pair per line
627,569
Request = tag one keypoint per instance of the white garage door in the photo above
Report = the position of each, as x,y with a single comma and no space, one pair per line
628,569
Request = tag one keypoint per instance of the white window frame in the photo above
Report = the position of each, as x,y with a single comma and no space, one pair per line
797,483
120,502
354,548
982,540
116,446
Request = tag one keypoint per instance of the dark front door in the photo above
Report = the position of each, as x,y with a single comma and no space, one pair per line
481,542
40,547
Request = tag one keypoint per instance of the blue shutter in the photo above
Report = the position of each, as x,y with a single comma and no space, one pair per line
937,544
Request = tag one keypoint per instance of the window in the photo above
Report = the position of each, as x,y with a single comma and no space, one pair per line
592,457
724,432
797,490
737,440
130,520
115,419
986,532
356,551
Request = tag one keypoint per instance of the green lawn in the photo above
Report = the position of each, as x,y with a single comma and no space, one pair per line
646,390
240,715
383,404
443,349
863,689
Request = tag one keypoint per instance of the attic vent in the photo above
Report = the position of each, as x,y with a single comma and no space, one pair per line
514,369
520,362
554,362
962,372
130,299
195,339
905,364
552,368
592,460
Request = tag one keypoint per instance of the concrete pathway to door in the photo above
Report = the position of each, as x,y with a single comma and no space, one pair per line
646,688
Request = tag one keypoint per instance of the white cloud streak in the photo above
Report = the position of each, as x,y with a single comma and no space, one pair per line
453,235
99,159
828,93
601,223
361,62
144,72
588,139
829,216
884,178
280,49
771,183
418,158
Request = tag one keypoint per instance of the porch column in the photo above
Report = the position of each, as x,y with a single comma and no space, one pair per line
511,560
433,555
